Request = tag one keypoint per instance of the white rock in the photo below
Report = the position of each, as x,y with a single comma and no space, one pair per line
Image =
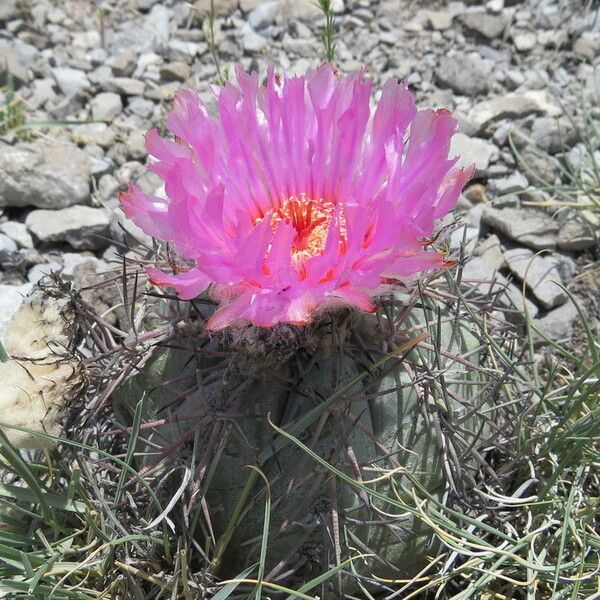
38,272
44,174
508,106
17,232
126,86
106,106
263,15
70,81
473,151
11,298
540,273
524,41
81,226
253,42
558,323
533,229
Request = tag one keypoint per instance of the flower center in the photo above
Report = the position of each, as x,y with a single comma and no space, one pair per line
311,219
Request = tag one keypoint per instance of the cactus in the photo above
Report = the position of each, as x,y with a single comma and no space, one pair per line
364,392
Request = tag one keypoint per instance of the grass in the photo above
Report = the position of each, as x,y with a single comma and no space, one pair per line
82,520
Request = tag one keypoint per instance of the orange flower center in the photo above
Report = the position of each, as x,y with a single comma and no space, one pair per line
311,219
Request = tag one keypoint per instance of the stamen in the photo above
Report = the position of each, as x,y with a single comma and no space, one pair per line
311,219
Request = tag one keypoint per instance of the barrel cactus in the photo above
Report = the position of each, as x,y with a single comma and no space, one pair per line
297,222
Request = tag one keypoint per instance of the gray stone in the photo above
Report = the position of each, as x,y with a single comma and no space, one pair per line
440,20
142,107
175,71
253,42
158,23
44,174
9,9
576,235
82,227
248,5
38,272
466,74
95,133
126,86
533,229
508,106
481,275
473,151
486,25
106,106
11,62
552,135
558,323
263,15
516,182
524,41
124,64
71,260
301,10
222,7
8,248
18,232
11,298
540,273
588,45
70,81
490,250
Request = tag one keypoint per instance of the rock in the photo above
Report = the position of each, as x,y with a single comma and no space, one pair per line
248,5
476,194
473,151
38,272
11,62
158,24
9,9
540,273
490,250
18,233
175,71
588,45
106,106
253,42
552,135
301,10
45,174
141,107
440,20
575,235
558,323
222,7
11,298
524,41
8,248
486,25
533,229
516,182
508,106
70,81
465,74
478,273
126,86
80,226
124,64
263,15
95,133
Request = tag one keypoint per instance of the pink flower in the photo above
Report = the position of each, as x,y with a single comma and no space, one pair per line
298,196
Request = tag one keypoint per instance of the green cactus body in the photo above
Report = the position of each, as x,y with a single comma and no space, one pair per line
384,424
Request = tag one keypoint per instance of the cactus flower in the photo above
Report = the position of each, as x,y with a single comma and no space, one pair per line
298,196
